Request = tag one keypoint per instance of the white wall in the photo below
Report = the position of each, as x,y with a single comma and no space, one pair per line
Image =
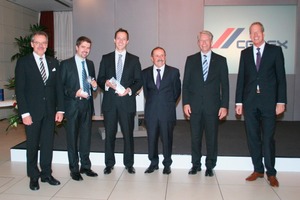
172,24
14,22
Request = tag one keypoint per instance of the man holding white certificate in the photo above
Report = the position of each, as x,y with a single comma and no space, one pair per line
119,69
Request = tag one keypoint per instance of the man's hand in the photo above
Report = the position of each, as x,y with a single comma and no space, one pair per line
94,83
59,116
27,120
187,110
82,94
127,91
222,113
239,109
280,108
110,85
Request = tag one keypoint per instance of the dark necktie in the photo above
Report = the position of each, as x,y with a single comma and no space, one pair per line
258,59
205,67
43,71
85,83
158,78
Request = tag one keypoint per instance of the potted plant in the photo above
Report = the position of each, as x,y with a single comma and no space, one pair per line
24,46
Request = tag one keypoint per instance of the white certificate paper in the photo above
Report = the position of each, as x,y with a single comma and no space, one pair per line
119,88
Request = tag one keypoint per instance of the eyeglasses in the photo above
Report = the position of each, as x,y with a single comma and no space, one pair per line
40,43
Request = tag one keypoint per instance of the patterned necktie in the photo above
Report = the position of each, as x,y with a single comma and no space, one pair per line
158,78
43,71
85,83
119,68
205,67
258,59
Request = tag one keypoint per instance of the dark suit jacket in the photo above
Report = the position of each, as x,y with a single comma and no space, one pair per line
211,94
32,95
131,78
70,79
270,77
161,103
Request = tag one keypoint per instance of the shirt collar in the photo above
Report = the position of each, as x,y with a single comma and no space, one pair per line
37,57
208,54
123,53
261,48
78,58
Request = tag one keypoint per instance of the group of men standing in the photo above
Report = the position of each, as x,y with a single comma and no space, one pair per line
48,91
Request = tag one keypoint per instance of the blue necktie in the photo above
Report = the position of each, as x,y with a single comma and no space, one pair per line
205,67
158,78
85,83
258,59
119,68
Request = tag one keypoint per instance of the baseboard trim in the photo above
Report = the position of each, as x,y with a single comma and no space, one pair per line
179,161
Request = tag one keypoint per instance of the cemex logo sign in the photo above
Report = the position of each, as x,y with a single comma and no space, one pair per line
230,37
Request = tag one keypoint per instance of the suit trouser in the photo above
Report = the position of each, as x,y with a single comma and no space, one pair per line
40,135
207,123
164,130
126,121
79,125
260,123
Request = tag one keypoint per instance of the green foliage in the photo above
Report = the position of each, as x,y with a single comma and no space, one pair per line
24,46
11,84
24,43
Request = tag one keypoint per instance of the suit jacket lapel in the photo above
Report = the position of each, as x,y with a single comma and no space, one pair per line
151,76
35,69
165,76
50,68
265,55
124,66
113,60
75,71
210,67
251,56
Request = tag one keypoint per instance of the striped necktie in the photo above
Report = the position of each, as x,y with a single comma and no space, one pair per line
205,67
85,83
43,71
119,68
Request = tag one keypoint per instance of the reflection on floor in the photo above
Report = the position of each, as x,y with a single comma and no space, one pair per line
225,185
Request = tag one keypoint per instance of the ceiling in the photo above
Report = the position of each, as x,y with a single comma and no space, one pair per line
45,5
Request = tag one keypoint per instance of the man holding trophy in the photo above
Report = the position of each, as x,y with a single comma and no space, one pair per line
120,78
78,79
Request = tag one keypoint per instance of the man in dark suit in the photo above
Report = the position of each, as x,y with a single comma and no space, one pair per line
205,100
162,87
39,95
78,80
119,104
260,96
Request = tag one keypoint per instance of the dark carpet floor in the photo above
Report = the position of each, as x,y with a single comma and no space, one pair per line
232,139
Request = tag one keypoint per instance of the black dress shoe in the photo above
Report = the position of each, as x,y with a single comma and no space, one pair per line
151,169
194,170
130,170
209,172
51,180
88,172
76,176
107,170
167,170
34,184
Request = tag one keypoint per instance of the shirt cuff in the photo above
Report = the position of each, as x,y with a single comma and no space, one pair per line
25,115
